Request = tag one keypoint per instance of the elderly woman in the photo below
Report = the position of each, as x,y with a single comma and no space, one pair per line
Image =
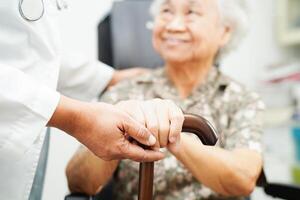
191,36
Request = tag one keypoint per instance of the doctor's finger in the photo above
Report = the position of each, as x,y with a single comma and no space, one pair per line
137,153
137,131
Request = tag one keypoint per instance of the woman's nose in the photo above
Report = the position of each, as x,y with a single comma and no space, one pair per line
176,24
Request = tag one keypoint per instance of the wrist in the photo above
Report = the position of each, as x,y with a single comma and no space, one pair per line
178,150
188,144
67,115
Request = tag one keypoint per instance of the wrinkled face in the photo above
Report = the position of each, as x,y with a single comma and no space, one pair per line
189,30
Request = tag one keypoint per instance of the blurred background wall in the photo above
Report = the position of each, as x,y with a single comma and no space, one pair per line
79,32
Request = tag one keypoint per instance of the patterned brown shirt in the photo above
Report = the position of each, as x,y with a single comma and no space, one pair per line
229,106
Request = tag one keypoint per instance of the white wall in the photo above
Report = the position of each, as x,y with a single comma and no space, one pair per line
260,47
78,26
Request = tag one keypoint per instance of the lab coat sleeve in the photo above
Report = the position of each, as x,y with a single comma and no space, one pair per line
25,108
82,79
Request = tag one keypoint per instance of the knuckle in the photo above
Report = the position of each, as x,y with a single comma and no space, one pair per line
127,103
169,101
134,102
177,118
157,100
153,128
121,104
141,133
123,147
127,122
181,118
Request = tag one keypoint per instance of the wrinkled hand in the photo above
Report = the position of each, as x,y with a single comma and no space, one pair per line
162,117
103,129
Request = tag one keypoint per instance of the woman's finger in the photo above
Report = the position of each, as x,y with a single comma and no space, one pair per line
162,112
151,120
137,131
176,122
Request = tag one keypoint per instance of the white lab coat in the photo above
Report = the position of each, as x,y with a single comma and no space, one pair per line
31,69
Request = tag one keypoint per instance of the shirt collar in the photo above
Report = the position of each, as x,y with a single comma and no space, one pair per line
164,88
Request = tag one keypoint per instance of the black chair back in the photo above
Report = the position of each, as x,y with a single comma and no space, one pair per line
125,39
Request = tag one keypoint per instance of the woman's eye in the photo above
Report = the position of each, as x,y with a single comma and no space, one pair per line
165,10
193,12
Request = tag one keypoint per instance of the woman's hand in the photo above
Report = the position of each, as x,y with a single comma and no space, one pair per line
162,117
227,172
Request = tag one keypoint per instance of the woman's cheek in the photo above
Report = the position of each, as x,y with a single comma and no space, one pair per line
156,45
155,40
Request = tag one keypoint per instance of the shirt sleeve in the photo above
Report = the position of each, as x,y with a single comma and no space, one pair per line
82,79
245,123
26,106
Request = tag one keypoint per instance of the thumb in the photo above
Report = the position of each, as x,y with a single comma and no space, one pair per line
138,131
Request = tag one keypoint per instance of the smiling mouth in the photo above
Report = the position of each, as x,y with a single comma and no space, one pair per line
175,41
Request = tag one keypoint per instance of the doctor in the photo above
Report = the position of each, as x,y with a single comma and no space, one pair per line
32,70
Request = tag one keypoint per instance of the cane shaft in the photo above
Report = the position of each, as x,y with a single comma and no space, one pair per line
192,124
146,181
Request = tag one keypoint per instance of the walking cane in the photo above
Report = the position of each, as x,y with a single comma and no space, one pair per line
192,124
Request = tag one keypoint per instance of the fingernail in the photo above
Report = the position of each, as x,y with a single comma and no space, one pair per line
151,140
172,139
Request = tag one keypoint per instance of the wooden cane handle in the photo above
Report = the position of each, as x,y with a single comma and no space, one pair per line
200,127
192,124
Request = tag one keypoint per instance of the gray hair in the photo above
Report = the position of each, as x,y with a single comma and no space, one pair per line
234,13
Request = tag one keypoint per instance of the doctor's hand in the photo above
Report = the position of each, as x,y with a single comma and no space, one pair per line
162,117
104,130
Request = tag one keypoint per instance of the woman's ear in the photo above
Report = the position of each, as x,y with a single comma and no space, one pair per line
225,35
